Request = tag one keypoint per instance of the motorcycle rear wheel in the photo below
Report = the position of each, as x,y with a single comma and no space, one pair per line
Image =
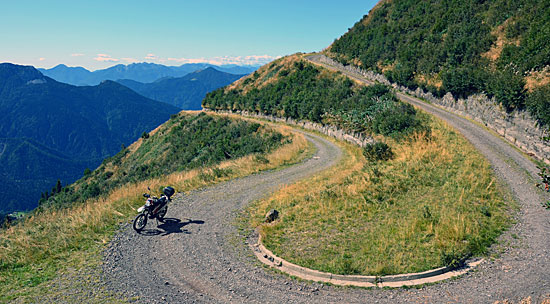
140,221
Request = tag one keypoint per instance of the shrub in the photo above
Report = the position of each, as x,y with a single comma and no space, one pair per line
538,103
378,151
508,88
395,121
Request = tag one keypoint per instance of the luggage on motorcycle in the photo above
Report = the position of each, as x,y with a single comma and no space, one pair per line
169,191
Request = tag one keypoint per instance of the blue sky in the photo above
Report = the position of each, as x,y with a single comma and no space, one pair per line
97,34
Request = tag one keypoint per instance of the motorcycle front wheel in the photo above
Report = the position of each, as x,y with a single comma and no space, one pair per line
140,221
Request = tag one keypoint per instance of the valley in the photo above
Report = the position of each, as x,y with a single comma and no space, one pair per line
54,131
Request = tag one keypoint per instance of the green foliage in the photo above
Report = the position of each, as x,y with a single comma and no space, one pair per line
396,120
545,178
448,39
508,88
186,142
303,93
463,81
87,172
452,259
538,103
378,151
144,135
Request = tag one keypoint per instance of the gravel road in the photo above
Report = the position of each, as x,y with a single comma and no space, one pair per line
199,256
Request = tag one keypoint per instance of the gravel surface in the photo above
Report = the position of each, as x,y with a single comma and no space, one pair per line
199,255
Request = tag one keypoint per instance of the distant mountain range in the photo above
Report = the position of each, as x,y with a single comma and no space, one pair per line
51,130
141,72
184,92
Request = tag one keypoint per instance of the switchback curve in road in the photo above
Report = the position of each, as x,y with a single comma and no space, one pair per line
198,256
523,269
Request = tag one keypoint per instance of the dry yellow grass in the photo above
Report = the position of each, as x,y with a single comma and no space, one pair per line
494,53
537,79
433,80
260,78
436,200
37,249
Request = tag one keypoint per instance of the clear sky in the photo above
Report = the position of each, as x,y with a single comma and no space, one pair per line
97,34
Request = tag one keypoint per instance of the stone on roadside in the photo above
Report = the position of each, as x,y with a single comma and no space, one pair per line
271,216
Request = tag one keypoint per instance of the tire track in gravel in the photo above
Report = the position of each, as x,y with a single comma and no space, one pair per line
195,256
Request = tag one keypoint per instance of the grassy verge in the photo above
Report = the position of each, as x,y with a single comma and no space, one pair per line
59,242
433,204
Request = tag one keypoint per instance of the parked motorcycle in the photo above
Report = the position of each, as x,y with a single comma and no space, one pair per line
154,208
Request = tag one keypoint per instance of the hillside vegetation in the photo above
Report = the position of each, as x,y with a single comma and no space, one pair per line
292,87
500,47
186,141
187,153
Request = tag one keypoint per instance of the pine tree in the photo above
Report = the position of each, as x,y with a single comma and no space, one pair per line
58,187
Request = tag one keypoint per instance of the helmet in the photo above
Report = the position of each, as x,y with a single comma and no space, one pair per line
169,191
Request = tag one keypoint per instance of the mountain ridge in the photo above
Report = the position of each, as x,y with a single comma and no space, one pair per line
50,127
142,72
184,92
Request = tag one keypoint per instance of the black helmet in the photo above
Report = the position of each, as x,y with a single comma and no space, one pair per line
169,191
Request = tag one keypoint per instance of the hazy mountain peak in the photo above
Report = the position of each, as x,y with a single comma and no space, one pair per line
145,72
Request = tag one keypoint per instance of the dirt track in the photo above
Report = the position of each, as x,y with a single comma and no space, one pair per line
199,256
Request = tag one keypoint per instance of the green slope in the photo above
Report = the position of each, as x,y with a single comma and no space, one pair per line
500,47
291,87
186,141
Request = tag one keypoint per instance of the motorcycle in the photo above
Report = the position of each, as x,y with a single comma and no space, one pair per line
153,208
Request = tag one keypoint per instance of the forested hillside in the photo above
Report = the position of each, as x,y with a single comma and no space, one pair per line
500,47
184,92
51,130
292,87
186,141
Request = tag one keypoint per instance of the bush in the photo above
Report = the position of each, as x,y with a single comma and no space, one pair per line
538,103
462,81
378,151
508,88
395,121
